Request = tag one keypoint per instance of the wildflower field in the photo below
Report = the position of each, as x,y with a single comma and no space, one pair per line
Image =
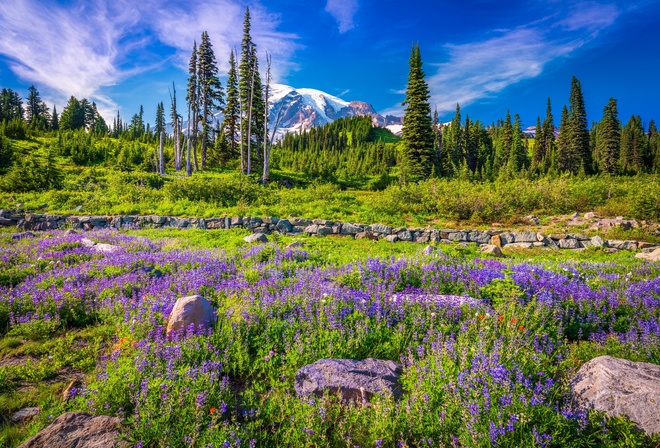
488,364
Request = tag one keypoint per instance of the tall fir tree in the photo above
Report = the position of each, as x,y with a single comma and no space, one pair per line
73,115
159,125
193,110
55,120
608,139
575,153
211,94
654,147
232,108
418,139
36,109
634,146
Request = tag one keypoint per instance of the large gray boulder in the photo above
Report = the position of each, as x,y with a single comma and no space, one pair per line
256,238
650,256
80,430
195,310
619,387
353,380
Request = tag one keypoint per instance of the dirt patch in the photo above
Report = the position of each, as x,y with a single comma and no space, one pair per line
19,360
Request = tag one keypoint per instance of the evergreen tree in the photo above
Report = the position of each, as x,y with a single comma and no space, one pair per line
608,139
418,139
160,119
37,111
518,152
11,106
73,115
654,148
633,146
193,108
545,141
566,159
54,120
251,98
232,109
211,98
575,153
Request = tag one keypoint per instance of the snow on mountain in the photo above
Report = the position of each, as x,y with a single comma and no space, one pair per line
302,109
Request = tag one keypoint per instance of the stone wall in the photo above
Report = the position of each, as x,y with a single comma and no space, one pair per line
298,226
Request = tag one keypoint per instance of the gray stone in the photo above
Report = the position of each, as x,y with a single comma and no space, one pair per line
256,238
538,244
236,221
532,220
405,235
525,237
367,235
590,215
300,222
80,430
379,228
295,245
619,387
622,245
491,249
323,222
458,236
350,229
570,243
392,238
507,238
353,380
479,237
324,230
271,220
429,250
312,229
581,237
597,241
191,310
284,226
423,239
24,414
557,236
4,222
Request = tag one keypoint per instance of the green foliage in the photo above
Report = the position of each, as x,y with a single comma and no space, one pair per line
225,192
32,173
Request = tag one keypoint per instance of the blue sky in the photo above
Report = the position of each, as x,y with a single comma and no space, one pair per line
489,56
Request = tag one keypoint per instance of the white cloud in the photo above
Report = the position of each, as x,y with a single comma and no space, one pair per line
484,68
84,47
343,11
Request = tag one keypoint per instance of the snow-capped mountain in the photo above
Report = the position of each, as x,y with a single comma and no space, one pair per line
304,108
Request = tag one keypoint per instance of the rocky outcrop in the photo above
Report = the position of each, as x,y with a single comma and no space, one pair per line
80,430
191,310
354,380
650,256
293,226
619,387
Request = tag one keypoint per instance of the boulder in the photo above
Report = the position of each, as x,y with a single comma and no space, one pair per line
570,243
300,222
368,235
495,240
284,226
379,228
256,238
650,256
324,230
590,215
597,241
525,237
312,229
519,245
350,229
622,245
429,250
392,238
195,310
491,249
23,414
619,387
405,235
354,380
77,429
295,245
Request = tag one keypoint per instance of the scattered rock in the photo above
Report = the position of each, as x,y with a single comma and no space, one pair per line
590,215
368,235
495,240
191,310
620,387
24,414
80,430
429,250
107,248
354,380
78,208
570,243
256,238
650,256
295,245
532,220
575,215
491,249
22,236
597,241
43,206
70,232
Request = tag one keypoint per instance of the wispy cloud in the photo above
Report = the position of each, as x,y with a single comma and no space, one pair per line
83,47
484,68
344,12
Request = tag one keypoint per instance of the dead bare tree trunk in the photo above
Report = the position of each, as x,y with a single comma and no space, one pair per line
162,158
268,144
240,132
176,131
188,165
